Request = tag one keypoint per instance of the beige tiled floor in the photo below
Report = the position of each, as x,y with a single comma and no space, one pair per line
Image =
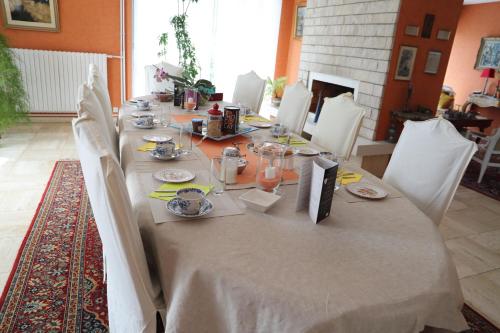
471,228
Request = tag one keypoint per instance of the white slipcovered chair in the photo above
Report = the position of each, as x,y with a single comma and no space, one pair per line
338,124
489,151
428,163
152,85
89,106
294,107
97,84
133,299
249,91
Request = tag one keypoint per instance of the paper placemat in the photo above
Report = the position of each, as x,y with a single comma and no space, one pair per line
224,205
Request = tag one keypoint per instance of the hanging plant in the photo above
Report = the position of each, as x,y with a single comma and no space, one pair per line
187,52
13,99
163,43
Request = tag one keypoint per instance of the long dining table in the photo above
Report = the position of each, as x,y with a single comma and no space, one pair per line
371,266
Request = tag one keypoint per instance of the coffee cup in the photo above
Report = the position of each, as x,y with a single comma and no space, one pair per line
279,130
145,121
190,200
142,103
165,148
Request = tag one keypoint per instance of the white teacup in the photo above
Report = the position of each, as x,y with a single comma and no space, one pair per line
142,103
190,200
146,121
165,148
279,130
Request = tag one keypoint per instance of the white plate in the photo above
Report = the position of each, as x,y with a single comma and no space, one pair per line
366,190
174,207
156,138
174,175
307,151
142,114
260,124
142,108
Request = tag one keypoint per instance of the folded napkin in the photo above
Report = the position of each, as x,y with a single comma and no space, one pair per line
347,177
147,146
255,118
170,189
293,141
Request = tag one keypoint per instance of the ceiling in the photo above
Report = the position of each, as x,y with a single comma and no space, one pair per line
474,2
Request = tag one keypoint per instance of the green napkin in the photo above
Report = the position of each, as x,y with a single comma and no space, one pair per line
167,196
293,141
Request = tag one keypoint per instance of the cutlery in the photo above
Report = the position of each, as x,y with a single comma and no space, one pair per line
166,191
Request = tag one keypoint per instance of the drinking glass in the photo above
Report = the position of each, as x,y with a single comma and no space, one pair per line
185,139
217,179
164,117
190,98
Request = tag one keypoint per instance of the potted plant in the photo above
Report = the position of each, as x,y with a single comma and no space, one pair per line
13,99
275,88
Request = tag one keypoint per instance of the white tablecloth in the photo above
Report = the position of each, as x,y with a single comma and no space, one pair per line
372,266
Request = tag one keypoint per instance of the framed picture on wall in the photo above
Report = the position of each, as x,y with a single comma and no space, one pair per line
300,14
488,55
406,60
30,15
432,63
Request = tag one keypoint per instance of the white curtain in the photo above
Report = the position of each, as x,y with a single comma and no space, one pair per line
231,37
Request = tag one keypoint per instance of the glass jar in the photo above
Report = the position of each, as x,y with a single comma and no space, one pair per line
270,166
214,122
190,98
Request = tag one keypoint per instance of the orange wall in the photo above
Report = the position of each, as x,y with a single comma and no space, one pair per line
476,21
426,87
288,52
90,26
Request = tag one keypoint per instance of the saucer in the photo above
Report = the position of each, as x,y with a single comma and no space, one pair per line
142,126
156,138
260,124
366,190
307,151
141,108
166,157
174,207
174,175
142,115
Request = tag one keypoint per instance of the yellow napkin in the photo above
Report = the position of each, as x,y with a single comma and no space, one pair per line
347,177
167,196
148,146
255,118
293,141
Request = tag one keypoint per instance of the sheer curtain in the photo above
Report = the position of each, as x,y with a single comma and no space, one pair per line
231,37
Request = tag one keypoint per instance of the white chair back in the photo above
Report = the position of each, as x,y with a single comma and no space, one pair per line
338,124
130,292
152,85
428,163
89,106
96,83
294,107
249,91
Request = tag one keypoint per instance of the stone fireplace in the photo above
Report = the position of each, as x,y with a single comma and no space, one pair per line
350,41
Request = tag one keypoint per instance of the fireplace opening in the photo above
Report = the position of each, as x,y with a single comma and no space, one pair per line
322,89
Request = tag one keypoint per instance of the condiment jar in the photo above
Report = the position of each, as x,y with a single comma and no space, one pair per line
214,122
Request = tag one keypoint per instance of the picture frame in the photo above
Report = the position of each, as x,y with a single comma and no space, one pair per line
41,16
412,30
406,61
432,62
300,14
427,26
443,34
488,55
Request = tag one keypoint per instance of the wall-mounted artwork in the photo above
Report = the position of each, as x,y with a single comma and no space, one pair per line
300,14
427,26
488,55
406,60
412,30
443,34
432,63
30,14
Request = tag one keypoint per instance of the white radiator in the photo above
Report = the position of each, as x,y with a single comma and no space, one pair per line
52,78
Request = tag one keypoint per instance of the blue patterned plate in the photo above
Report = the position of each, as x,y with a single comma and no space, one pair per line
174,207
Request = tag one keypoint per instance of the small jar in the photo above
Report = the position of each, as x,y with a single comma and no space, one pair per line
214,122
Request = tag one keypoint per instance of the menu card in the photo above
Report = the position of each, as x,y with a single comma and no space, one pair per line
316,187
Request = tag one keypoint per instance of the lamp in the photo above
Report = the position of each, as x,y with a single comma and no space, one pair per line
487,73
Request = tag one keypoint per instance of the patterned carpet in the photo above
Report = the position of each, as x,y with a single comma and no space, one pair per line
490,184
56,284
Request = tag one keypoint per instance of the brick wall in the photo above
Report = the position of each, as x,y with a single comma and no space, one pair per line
352,39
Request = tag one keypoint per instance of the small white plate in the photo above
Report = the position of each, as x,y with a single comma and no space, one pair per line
307,151
142,114
173,206
156,138
142,126
155,154
260,124
174,175
366,190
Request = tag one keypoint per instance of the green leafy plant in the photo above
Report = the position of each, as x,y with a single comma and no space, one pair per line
276,87
187,52
163,43
13,99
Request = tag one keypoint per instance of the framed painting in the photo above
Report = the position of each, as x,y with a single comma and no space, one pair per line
406,60
488,55
300,14
30,14
432,63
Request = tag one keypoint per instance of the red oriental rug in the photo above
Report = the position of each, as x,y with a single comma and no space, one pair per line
56,284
